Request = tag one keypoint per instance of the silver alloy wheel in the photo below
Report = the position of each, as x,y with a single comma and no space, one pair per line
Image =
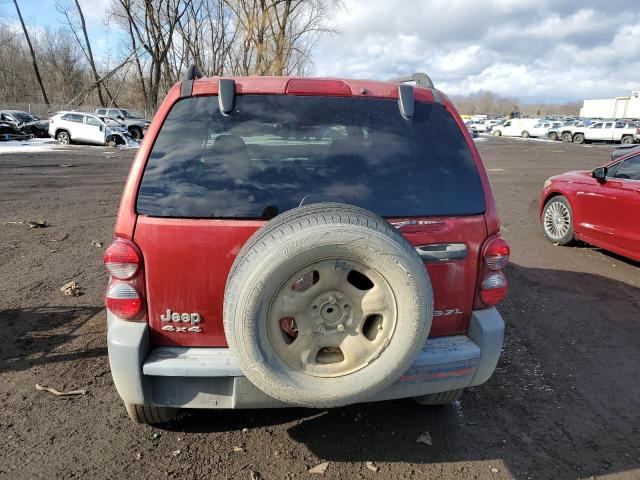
63,138
556,220
324,323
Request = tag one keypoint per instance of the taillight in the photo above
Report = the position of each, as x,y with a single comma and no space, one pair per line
122,259
493,289
496,253
125,293
123,300
492,283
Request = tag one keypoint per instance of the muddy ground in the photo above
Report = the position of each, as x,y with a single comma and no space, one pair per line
563,403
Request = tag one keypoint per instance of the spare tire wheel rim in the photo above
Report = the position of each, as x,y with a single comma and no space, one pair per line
331,318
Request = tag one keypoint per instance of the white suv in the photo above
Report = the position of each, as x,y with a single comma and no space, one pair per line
67,127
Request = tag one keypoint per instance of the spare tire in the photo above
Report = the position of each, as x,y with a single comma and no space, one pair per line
325,305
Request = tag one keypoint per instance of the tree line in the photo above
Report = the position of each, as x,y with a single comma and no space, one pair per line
159,39
490,103
162,38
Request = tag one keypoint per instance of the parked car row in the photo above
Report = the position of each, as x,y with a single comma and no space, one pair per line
618,131
568,130
524,127
106,126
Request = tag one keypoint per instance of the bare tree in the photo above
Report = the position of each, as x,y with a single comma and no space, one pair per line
206,37
277,35
152,23
163,37
33,55
85,44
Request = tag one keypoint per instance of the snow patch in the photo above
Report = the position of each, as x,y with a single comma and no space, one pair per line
35,145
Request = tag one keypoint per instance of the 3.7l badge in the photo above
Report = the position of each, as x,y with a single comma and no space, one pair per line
181,319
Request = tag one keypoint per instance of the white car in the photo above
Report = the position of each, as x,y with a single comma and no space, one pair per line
609,131
67,127
541,128
489,124
516,127
479,126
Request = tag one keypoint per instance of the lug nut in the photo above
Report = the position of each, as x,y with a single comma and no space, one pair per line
340,327
321,328
333,301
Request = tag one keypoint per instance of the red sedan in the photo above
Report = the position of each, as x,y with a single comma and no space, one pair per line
601,207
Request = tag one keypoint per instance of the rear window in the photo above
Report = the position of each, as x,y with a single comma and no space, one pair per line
276,152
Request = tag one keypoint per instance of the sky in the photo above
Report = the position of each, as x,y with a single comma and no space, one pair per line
536,51
40,14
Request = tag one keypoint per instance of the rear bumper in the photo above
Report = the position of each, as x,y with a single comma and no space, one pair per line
211,378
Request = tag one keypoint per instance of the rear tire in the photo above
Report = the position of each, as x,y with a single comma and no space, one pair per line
63,137
150,415
441,398
525,134
136,132
553,136
627,140
566,137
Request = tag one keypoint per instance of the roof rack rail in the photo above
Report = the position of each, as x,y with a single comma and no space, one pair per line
193,73
186,88
421,79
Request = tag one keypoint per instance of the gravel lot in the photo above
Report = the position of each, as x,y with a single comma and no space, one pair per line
564,402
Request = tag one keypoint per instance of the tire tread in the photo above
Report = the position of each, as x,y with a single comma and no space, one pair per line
150,414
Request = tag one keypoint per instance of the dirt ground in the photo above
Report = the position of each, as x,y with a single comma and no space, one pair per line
564,402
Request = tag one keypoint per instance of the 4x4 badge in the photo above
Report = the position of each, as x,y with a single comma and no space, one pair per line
181,318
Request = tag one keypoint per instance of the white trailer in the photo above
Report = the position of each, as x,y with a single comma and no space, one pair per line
619,107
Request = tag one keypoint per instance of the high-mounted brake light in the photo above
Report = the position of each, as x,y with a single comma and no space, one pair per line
492,283
122,259
312,86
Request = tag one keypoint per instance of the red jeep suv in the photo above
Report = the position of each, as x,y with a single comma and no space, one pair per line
303,242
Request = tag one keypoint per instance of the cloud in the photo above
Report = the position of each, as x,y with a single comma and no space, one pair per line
95,12
537,51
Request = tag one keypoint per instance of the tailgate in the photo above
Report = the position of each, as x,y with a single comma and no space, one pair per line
187,263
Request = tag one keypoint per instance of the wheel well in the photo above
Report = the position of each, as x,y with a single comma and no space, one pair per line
116,138
550,196
134,127
61,130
